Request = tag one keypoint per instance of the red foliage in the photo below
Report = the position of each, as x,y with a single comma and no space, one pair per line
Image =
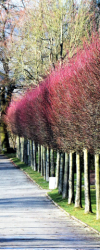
26,117
10,117
64,110
73,97
37,124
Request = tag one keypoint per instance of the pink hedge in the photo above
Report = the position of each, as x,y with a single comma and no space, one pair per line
64,111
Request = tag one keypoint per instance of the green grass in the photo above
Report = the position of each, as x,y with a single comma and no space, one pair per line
79,213
89,219
11,155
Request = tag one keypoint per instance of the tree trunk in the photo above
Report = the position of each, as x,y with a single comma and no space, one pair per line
5,140
25,152
17,146
22,149
97,184
0,141
31,154
34,155
4,132
44,163
52,163
61,39
28,152
71,193
65,183
39,158
60,187
19,154
78,182
57,168
87,183
47,164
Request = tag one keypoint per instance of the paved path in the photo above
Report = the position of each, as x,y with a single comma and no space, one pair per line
29,220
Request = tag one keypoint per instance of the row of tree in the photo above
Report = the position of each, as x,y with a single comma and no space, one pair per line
63,114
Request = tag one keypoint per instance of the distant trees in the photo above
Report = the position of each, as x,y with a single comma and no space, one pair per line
47,31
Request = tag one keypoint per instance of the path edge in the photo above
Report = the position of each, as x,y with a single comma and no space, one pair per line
47,195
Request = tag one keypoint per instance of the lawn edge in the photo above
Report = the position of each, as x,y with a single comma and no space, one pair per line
47,195
71,216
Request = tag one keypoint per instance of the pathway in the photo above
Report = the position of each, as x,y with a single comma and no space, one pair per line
29,220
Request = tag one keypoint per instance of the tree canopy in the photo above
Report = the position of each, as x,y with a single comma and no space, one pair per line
63,111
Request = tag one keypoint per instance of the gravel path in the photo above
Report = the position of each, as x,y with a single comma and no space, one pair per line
29,220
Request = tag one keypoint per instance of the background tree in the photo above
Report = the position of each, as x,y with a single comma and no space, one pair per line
47,31
9,14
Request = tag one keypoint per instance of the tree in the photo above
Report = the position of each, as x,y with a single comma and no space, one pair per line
81,25
9,14
95,10
59,27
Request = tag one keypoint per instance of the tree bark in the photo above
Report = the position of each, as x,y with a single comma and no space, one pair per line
34,155
71,193
31,154
5,137
78,182
52,163
17,146
22,149
86,183
28,152
25,152
60,187
19,154
44,163
47,165
65,183
97,184
39,158
57,168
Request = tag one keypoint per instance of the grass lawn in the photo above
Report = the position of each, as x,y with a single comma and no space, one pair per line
89,219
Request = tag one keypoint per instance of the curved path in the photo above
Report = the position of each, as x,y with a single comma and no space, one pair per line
29,220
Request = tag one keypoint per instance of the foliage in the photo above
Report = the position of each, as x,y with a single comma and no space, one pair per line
63,112
46,32
73,92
